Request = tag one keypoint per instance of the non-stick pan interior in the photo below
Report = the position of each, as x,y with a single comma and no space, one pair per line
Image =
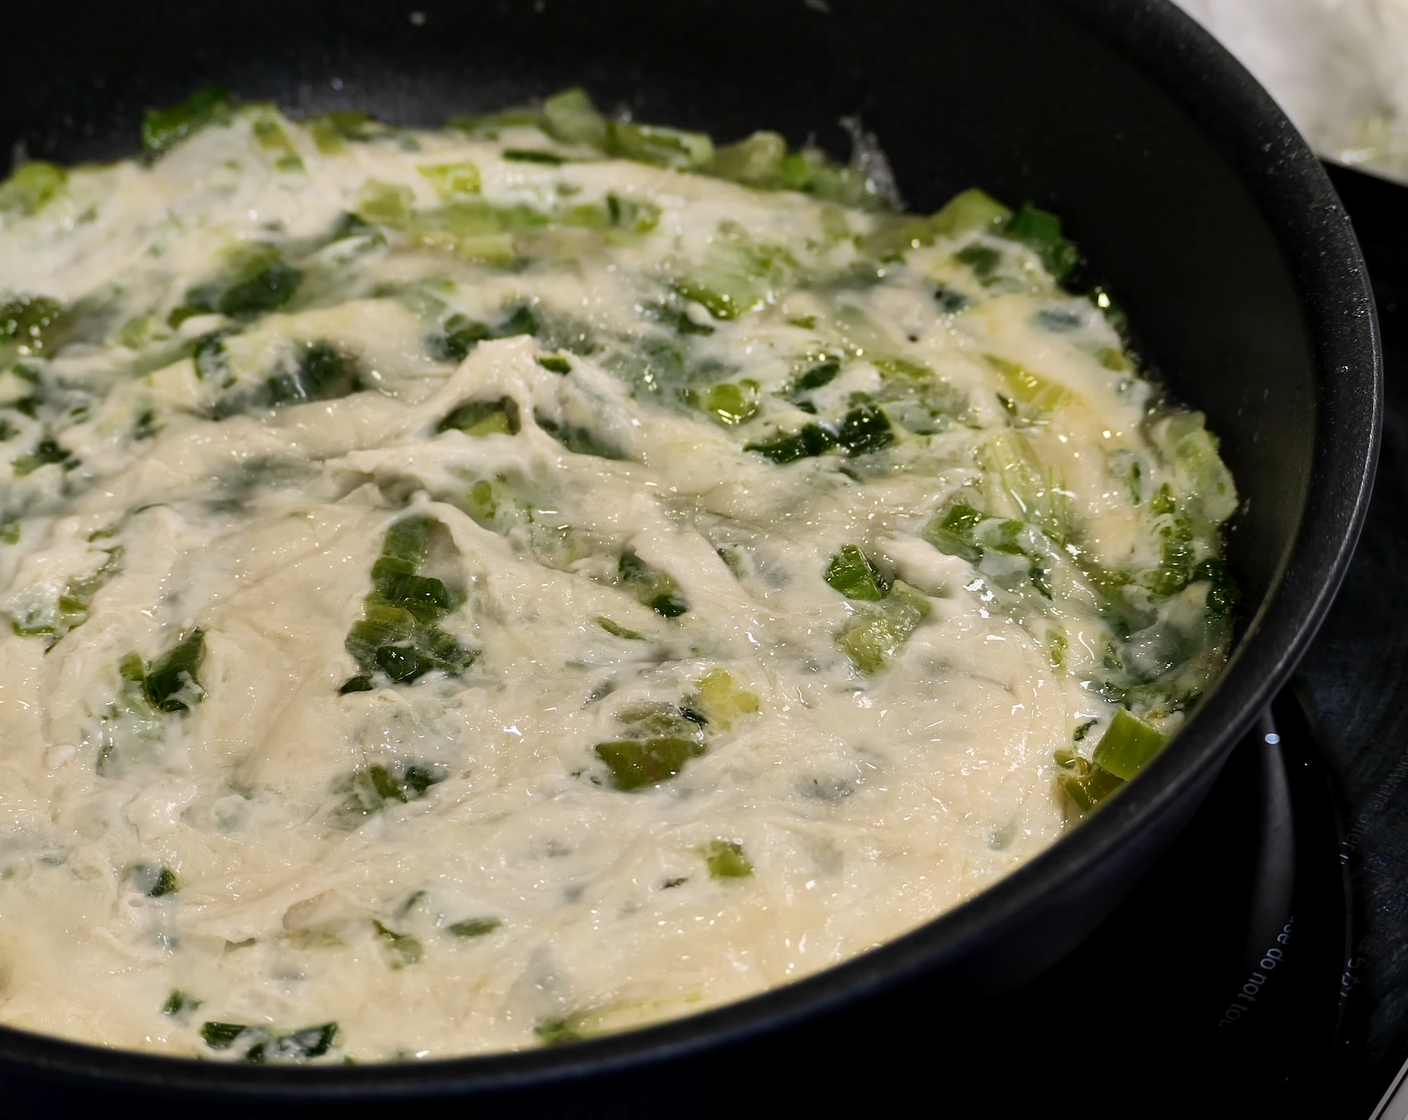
1016,97
1190,196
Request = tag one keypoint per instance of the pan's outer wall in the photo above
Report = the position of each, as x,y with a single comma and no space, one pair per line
1189,193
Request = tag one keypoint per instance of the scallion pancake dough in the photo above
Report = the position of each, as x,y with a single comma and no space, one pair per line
478,590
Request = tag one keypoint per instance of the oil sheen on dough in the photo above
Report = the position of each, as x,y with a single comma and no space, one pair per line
447,865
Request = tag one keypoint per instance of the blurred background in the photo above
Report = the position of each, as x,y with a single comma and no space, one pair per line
1339,68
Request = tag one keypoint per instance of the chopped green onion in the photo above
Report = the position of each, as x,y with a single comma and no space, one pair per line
475,927
1033,487
1088,786
557,1032
369,790
819,375
534,155
1223,592
573,119
266,290
1201,473
452,180
47,452
179,1003
580,441
641,762
322,374
221,1036
970,211
171,684
854,576
651,586
617,630
676,319
725,860
331,130
950,302
31,187
864,431
553,363
953,532
273,139
166,883
982,259
25,318
1039,394
665,147
720,700
483,418
877,632
402,948
894,235
811,440
164,129
757,161
1040,231
462,335
300,1045
1127,745
385,204
729,403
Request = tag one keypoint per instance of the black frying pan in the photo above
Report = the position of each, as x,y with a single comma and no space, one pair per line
1190,194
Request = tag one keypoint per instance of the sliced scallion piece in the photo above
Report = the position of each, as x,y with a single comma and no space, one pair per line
1127,745
854,576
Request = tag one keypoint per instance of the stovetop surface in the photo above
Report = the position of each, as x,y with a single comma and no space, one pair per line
1263,963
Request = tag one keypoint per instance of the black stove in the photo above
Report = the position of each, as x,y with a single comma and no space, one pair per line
1261,966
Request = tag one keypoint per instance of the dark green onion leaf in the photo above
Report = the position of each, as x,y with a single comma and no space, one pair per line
865,430
617,630
171,684
166,883
322,374
475,927
269,288
556,1032
1223,592
520,321
462,335
534,155
553,363
810,441
640,762
1040,231
221,1036
402,948
369,790
656,589
46,452
178,1003
163,129
950,302
819,375
982,259
580,441
954,532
